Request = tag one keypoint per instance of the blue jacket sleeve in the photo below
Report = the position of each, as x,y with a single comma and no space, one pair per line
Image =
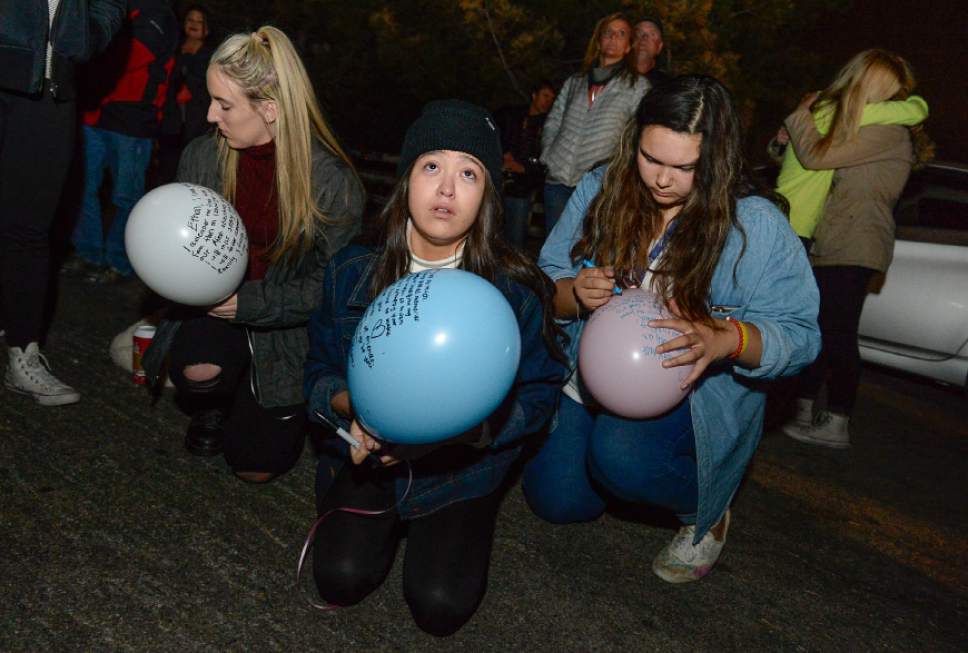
325,370
784,301
538,382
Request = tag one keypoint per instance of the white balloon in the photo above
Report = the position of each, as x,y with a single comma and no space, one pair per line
187,243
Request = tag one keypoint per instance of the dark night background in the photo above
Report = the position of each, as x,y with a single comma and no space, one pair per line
375,63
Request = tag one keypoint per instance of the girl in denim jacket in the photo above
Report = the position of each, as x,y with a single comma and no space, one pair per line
674,211
444,212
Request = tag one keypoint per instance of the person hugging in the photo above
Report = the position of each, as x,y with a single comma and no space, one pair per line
445,212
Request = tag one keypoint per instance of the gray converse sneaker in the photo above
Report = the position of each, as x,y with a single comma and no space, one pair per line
828,430
29,373
681,562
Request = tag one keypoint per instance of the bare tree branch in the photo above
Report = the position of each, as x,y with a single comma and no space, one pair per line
500,52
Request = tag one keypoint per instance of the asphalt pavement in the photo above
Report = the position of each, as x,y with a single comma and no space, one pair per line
114,538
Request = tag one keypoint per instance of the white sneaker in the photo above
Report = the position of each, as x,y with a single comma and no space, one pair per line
682,562
28,373
827,430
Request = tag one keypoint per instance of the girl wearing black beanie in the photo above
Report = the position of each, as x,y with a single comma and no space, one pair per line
445,212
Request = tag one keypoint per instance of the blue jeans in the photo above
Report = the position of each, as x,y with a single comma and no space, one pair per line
555,198
127,159
517,210
590,456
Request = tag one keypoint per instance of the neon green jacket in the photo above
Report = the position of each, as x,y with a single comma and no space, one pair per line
807,190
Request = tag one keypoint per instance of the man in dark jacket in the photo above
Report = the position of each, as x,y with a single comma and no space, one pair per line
520,128
40,43
122,96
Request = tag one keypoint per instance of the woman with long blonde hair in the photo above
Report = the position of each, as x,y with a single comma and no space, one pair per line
868,166
277,161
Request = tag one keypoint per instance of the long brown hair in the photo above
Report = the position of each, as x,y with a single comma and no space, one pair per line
624,218
485,253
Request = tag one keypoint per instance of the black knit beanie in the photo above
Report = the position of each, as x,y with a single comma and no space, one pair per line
454,125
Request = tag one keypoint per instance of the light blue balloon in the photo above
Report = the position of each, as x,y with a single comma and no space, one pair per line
433,356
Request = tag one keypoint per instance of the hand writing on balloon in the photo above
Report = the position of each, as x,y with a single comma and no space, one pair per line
703,344
228,309
368,444
594,286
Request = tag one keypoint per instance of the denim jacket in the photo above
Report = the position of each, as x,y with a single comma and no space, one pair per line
455,472
770,284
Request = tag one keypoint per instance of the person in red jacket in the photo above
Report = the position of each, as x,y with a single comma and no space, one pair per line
126,88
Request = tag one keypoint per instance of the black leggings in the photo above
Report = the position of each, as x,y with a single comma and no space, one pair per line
842,292
257,439
36,145
447,557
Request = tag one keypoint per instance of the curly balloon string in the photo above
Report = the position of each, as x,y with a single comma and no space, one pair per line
311,537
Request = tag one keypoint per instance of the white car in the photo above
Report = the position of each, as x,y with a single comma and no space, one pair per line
918,320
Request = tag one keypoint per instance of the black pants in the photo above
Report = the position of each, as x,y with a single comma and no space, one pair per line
447,558
257,439
169,151
842,292
36,145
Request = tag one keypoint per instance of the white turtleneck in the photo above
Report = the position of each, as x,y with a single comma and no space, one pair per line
418,264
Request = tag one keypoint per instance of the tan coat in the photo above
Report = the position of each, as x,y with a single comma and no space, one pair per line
857,227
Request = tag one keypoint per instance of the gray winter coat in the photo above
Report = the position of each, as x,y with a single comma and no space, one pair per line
275,310
576,137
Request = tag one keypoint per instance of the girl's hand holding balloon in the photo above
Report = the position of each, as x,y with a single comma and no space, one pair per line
228,309
703,344
368,444
594,286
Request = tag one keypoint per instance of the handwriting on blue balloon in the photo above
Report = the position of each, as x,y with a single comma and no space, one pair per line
395,308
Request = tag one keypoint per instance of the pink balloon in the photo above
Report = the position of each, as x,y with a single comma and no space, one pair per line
617,358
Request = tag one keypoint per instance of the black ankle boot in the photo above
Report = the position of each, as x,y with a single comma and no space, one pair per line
205,435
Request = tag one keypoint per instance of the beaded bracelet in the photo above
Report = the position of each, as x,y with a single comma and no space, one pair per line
744,338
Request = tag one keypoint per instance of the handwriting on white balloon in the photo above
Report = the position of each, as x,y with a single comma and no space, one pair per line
218,240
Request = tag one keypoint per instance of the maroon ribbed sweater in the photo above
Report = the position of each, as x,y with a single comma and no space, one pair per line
257,204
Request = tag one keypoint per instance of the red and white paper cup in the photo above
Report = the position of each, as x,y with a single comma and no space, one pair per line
140,341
